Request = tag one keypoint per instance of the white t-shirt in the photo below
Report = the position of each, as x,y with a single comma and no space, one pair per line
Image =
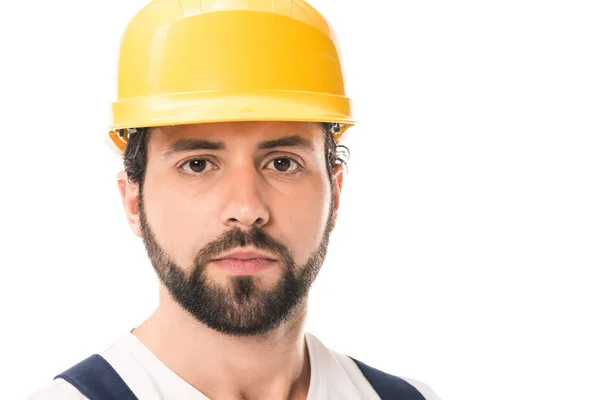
333,376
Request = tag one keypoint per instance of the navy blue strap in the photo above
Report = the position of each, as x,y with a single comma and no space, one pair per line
96,379
389,387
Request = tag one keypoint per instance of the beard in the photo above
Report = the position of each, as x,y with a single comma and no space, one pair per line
242,308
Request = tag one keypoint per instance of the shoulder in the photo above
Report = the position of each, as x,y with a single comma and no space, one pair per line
58,389
386,386
423,388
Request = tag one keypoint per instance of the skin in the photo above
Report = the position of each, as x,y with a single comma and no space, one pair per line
241,188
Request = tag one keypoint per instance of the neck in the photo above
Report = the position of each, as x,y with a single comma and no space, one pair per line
275,365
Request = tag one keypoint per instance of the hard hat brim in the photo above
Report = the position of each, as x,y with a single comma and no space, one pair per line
206,107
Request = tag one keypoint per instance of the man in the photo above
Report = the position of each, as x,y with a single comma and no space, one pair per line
229,117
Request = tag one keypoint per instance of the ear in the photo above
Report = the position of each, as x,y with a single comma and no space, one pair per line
130,196
338,181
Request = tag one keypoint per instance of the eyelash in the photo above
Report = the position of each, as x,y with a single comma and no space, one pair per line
290,172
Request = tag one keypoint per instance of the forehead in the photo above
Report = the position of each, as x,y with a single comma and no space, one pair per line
239,134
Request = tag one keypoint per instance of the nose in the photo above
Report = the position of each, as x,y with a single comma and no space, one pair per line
244,205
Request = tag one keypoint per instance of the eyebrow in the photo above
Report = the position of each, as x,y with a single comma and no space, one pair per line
193,144
288,141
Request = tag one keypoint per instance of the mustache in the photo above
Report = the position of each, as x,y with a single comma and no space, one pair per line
236,237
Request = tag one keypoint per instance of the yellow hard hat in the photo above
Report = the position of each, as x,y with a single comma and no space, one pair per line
194,61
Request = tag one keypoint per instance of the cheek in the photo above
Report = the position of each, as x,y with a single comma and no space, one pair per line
180,220
304,217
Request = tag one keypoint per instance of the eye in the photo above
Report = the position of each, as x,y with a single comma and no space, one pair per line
197,166
284,164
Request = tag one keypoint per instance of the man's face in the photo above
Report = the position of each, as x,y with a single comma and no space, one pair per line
236,218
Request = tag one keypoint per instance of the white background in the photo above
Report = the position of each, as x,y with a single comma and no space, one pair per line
467,251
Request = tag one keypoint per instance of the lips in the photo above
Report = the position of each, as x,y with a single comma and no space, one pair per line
245,262
245,256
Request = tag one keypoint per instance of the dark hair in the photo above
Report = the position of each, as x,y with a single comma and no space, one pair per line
135,156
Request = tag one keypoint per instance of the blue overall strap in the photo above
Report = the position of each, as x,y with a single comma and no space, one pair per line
96,379
389,387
